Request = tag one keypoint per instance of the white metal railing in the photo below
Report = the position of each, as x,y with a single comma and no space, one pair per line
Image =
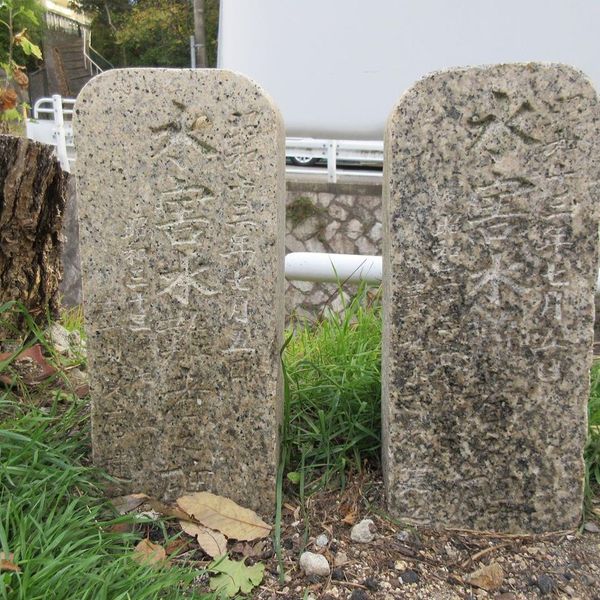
46,110
51,124
335,152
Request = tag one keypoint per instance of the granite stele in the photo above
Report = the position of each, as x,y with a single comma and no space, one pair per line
180,176
490,202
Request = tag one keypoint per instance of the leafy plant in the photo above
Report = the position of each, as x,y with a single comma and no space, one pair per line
149,32
11,13
235,576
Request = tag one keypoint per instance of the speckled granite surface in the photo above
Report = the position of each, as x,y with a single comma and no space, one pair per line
490,202
180,179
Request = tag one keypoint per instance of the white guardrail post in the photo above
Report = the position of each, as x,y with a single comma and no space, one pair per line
332,161
59,132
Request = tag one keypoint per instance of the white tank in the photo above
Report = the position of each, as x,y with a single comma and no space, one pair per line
336,67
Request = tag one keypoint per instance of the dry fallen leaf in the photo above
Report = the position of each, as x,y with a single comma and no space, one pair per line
30,365
121,527
175,546
488,578
169,511
225,516
212,542
7,564
125,504
248,550
350,518
148,553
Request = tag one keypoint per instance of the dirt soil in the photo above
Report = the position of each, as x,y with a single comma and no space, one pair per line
402,562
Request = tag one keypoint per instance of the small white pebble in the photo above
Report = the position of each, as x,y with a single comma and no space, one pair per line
400,565
363,532
314,564
322,540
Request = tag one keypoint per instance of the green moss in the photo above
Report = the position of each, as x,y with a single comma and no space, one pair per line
301,209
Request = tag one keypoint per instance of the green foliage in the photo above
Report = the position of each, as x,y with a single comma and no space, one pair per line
234,576
211,30
592,449
156,33
55,523
333,394
302,208
16,50
28,15
149,32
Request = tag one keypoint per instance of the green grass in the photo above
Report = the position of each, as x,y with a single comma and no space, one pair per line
333,394
53,516
592,449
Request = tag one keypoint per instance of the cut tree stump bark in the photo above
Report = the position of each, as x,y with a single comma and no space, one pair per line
32,204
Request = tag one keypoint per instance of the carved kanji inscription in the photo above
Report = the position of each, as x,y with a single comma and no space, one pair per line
489,269
180,177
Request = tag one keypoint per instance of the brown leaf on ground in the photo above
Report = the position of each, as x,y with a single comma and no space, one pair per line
169,511
249,550
125,504
7,564
121,528
81,391
224,515
350,518
212,542
148,553
175,546
30,365
488,578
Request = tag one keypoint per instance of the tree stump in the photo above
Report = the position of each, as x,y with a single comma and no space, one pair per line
32,203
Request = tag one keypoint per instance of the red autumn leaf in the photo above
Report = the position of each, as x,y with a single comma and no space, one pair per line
20,77
30,365
8,99
7,564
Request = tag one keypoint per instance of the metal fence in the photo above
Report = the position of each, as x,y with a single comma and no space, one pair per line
50,123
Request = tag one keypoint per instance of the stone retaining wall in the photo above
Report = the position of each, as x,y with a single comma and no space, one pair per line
334,218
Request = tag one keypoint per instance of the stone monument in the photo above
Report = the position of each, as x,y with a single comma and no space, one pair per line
490,264
180,176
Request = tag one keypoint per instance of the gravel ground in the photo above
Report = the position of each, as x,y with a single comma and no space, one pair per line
402,562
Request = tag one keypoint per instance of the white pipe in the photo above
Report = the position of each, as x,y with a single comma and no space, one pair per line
332,268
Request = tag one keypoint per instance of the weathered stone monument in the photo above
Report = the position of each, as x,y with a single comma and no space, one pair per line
181,186
491,207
